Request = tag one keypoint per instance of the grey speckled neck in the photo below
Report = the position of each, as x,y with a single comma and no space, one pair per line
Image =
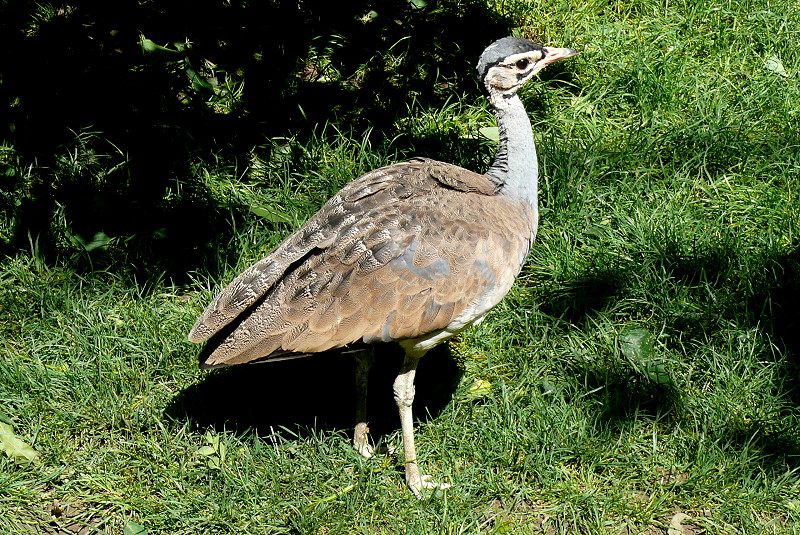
515,169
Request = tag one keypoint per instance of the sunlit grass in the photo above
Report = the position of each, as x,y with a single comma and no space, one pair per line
670,161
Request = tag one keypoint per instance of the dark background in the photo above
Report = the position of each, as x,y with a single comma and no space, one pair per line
110,107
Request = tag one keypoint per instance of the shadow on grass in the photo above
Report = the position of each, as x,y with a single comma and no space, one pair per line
581,296
313,393
751,290
624,394
776,306
223,79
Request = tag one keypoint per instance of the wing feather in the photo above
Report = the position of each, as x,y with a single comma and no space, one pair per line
333,221
397,254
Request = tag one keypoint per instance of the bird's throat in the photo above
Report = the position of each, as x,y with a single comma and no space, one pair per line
515,168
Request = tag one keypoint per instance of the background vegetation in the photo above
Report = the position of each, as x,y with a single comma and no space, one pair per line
642,377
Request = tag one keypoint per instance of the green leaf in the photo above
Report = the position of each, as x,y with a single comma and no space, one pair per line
14,446
132,528
212,439
158,53
271,215
657,372
199,83
773,63
152,48
207,451
636,343
100,239
503,526
491,132
418,4
214,451
479,388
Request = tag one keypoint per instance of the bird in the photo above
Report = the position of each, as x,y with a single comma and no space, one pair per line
410,253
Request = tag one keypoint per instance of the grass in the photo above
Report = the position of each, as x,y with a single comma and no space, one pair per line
670,157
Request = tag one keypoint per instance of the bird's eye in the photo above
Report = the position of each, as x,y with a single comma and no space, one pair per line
523,64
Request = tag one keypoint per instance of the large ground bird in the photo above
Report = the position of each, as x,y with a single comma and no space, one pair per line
410,253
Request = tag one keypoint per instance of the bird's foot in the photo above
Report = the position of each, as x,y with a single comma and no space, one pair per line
361,440
426,482
430,484
362,445
365,449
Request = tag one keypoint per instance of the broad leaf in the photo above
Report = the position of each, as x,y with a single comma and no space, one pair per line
100,239
199,83
491,132
773,63
271,215
14,446
151,47
206,451
479,388
132,528
636,343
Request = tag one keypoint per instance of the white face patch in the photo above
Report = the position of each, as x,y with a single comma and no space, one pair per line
511,72
522,62
514,70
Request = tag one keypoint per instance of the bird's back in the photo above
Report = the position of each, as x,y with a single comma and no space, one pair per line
404,252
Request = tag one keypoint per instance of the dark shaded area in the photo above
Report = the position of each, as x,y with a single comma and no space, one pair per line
110,107
593,290
700,264
708,262
777,302
315,392
753,289
775,305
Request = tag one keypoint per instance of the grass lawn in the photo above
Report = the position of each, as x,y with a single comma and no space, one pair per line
643,375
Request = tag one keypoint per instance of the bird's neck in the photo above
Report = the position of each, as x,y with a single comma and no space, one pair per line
515,169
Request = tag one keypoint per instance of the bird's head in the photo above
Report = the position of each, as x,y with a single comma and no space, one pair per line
509,62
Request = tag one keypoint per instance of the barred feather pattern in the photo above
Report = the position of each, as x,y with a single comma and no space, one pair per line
412,251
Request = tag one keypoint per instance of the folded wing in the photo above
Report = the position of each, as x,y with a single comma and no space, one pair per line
396,254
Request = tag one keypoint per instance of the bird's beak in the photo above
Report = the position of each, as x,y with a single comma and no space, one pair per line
555,54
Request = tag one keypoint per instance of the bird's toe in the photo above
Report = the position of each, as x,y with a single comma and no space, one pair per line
426,482
366,450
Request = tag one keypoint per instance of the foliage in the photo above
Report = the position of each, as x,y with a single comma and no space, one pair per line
642,376
116,112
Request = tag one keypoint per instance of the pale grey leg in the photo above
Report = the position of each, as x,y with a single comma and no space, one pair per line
404,397
361,443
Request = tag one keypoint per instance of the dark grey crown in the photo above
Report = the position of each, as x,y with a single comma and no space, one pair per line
503,48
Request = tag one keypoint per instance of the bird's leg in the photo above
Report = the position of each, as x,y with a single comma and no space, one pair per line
363,362
404,397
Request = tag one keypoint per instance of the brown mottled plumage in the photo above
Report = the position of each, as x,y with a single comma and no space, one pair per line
412,253
396,254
